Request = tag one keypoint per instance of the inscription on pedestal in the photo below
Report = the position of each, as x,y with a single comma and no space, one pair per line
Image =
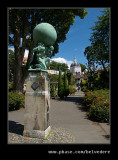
34,86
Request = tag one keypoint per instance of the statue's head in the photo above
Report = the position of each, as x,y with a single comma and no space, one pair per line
45,33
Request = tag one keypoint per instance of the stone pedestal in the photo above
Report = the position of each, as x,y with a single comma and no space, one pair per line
37,105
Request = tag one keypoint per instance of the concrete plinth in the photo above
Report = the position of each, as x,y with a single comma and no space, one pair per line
37,105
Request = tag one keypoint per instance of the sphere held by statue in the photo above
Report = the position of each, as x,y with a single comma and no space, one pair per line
46,33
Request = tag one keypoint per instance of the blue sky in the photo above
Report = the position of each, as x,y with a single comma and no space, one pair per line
77,38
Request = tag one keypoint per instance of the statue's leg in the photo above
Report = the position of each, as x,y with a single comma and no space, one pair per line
31,67
40,66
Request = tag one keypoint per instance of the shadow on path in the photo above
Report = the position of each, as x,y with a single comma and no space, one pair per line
79,101
15,127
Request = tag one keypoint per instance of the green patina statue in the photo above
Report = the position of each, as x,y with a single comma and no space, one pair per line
44,36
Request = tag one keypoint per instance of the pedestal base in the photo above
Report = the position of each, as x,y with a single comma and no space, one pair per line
37,133
37,105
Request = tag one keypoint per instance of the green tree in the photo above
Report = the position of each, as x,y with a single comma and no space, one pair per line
60,86
83,67
11,60
66,87
56,66
53,77
70,78
21,25
53,80
52,89
98,52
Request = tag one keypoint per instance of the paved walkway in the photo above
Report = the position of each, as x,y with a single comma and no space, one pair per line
70,114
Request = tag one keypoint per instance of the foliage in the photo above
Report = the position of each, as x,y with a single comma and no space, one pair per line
10,86
97,80
72,89
98,52
66,87
53,77
11,66
84,88
83,67
99,113
89,97
70,78
97,103
60,86
52,91
104,79
53,83
57,66
16,101
21,25
84,85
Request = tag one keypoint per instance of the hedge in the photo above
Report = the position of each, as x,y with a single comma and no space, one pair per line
98,105
16,101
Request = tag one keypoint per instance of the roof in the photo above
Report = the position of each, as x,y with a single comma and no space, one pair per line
75,64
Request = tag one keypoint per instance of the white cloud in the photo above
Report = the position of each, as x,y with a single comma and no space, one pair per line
62,60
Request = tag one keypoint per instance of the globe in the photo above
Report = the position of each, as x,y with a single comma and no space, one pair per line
46,33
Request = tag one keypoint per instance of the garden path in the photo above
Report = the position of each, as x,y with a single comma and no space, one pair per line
70,114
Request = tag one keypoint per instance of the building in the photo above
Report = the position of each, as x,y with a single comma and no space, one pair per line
75,68
54,72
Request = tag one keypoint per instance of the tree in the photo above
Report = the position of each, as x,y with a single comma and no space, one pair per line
66,87
11,66
60,86
83,67
53,81
70,78
21,25
98,52
56,66
52,90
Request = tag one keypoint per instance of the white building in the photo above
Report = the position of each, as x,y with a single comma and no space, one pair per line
75,67
54,72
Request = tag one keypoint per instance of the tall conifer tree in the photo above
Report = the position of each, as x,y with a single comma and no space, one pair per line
66,87
60,85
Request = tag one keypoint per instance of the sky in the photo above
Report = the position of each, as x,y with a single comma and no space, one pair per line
77,38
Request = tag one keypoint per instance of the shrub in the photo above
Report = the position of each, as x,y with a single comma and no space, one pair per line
72,90
84,88
84,85
88,99
99,113
16,101
10,85
97,103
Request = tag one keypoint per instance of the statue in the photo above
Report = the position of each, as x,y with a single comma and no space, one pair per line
37,96
44,36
